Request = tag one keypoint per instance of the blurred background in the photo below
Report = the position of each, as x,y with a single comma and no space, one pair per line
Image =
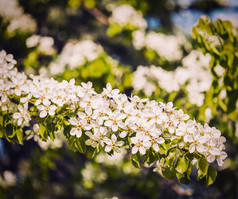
142,47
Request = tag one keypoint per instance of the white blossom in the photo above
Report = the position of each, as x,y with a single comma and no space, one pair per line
46,108
23,115
113,144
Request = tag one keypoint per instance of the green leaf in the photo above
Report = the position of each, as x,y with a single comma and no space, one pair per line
67,131
182,164
52,135
1,132
10,133
135,160
114,29
80,145
164,148
1,120
202,168
203,165
183,178
171,157
96,151
43,132
211,175
230,59
190,156
169,173
19,134
71,143
175,141
97,68
150,157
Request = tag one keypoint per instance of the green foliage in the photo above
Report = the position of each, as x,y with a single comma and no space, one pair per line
219,39
202,168
211,175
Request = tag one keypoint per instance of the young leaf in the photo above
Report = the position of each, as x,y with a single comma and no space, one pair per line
1,132
19,134
67,131
1,120
52,135
10,133
203,165
202,168
182,164
183,178
43,132
211,175
96,151
79,144
169,173
135,160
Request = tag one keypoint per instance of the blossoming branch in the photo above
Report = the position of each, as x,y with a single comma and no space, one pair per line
151,132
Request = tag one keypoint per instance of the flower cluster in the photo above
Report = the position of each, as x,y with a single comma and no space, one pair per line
127,16
44,44
167,46
74,55
15,14
195,75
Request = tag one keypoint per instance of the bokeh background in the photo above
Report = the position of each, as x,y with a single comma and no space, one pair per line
142,47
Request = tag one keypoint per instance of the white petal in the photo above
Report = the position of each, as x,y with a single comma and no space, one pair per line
16,115
41,107
20,108
123,134
220,162
4,98
192,148
113,138
108,123
81,115
160,140
120,143
46,102
83,104
43,113
211,158
88,111
18,92
53,107
200,148
73,121
109,87
156,147
51,112
108,148
88,142
147,144
134,140
188,138
73,131
142,150
114,128
37,102
134,150
215,151
78,133
223,155
171,129
19,122
202,139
